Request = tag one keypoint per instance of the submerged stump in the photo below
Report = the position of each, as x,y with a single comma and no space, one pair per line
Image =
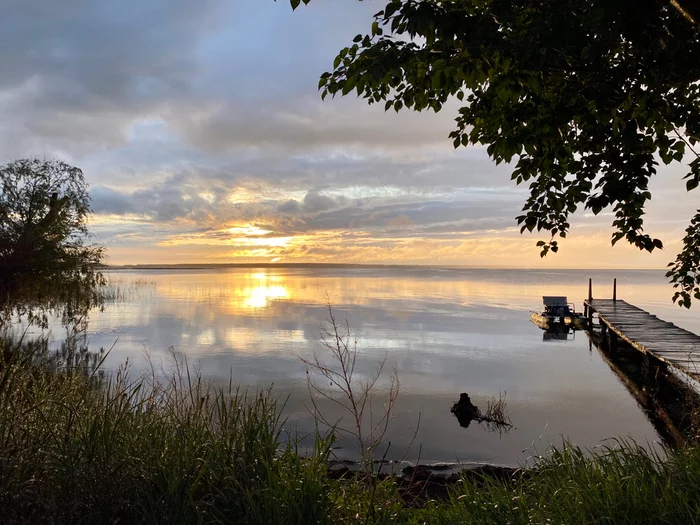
465,410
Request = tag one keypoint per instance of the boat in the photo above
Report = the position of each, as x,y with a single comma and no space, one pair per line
558,312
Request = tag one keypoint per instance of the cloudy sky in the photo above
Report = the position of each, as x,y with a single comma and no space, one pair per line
200,130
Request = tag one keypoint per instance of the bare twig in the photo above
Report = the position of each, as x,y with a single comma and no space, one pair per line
495,417
690,147
353,396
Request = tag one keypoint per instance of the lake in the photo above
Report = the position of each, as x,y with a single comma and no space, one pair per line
445,331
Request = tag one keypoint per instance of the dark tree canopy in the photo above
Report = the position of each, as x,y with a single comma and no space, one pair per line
45,263
584,97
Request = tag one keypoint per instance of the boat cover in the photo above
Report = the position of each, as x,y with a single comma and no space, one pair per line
552,300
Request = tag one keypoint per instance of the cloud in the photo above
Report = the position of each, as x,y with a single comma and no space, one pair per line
199,126
107,201
291,207
77,73
315,202
301,123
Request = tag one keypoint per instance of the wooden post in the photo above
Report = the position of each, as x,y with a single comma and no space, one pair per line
604,339
590,298
615,289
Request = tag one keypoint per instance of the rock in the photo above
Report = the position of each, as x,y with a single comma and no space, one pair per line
423,472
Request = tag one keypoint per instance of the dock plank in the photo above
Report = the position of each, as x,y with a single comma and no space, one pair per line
649,334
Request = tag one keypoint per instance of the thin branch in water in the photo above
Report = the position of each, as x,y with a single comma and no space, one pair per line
355,398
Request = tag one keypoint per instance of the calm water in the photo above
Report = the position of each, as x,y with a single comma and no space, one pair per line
446,331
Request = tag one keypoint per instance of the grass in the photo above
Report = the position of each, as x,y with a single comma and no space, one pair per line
621,484
79,448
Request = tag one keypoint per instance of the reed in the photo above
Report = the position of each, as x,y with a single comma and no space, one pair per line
118,289
622,483
77,447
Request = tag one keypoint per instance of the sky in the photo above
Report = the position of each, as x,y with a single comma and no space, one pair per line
202,134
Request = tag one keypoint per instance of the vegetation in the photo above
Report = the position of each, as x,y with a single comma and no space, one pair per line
352,398
584,97
116,289
45,263
78,448
624,484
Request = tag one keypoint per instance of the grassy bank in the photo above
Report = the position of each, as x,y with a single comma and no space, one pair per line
75,448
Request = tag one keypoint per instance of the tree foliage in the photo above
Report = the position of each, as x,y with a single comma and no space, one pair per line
584,97
46,264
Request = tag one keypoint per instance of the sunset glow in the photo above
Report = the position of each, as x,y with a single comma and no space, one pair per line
227,154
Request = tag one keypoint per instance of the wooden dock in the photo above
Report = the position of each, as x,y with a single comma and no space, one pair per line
647,333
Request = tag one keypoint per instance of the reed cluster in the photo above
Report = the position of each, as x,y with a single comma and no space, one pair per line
623,483
79,447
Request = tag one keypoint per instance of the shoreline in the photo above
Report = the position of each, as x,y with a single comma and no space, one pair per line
205,266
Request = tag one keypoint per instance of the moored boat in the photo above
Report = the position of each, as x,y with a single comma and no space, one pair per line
558,312
540,320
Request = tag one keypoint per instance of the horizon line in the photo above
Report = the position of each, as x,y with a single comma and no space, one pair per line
194,266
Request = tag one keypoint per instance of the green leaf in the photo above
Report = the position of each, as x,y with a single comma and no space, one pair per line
587,114
391,8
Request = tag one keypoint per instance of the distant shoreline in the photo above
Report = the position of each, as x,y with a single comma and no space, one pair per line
209,266
206,266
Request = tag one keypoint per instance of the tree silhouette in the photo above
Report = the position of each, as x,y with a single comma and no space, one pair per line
46,264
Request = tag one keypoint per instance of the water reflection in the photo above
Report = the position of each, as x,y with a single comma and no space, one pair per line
666,397
559,333
446,331
260,296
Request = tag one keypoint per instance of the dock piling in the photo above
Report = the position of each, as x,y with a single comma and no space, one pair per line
590,301
615,289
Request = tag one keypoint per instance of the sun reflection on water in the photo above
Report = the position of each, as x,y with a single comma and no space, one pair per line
401,294
260,296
